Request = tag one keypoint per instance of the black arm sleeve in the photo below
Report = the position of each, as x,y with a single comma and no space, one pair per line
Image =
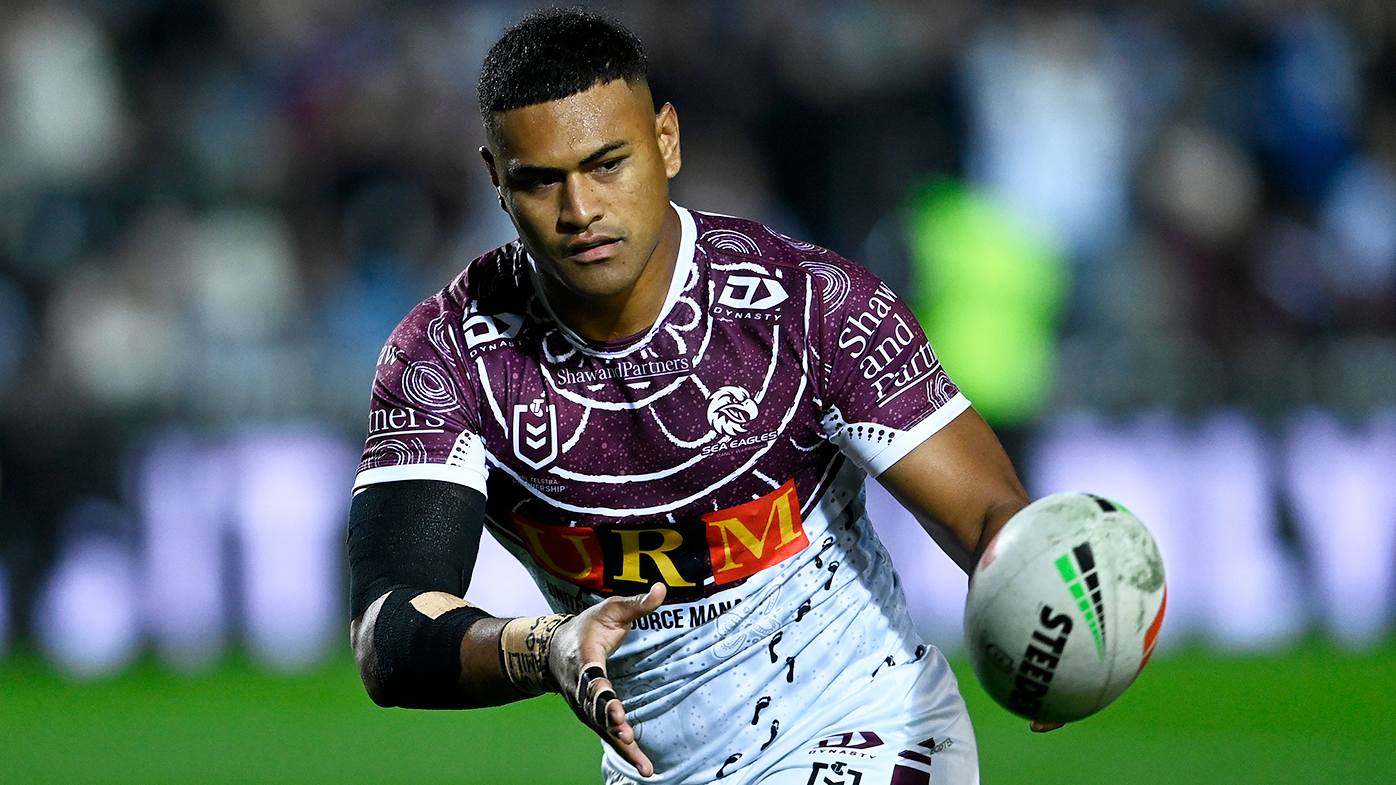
422,534
407,538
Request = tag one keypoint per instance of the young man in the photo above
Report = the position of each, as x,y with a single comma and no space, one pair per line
667,417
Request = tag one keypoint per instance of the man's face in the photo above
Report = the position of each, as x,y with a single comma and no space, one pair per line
586,181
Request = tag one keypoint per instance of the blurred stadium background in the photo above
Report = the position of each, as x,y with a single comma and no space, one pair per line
1154,241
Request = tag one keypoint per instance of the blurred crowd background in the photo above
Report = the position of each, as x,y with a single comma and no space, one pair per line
1153,240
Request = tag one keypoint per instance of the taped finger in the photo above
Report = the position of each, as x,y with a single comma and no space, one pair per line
598,709
593,693
590,674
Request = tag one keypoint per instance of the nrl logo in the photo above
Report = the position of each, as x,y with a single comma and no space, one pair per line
535,433
730,408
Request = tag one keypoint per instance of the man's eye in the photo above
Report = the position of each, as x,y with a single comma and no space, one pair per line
530,178
609,166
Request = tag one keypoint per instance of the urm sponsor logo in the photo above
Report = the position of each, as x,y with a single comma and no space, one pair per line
823,774
694,558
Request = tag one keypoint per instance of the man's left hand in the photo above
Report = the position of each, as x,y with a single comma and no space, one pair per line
578,657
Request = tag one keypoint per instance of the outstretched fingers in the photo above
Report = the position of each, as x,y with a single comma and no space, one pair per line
616,723
579,657
599,707
594,695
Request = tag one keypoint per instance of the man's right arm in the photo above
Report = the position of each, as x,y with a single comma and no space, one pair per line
412,546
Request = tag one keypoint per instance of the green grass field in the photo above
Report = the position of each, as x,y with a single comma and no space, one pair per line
1312,715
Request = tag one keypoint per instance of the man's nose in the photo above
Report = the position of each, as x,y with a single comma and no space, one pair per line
581,204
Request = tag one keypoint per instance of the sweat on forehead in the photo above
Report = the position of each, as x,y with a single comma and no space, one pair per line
555,53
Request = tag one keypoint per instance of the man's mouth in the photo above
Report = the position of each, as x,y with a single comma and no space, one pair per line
592,249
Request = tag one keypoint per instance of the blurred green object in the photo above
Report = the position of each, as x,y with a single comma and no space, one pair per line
988,287
1312,715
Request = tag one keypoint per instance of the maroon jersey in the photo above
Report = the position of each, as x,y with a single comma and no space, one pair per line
721,452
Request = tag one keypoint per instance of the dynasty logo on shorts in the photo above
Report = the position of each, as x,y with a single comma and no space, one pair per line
695,558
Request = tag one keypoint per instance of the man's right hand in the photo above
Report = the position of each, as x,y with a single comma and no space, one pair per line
577,659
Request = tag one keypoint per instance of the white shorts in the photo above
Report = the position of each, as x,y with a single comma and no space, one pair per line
908,727
922,736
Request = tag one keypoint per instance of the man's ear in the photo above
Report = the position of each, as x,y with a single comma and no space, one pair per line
494,175
489,164
666,131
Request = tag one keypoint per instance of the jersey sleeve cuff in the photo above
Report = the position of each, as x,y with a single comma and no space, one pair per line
909,440
459,475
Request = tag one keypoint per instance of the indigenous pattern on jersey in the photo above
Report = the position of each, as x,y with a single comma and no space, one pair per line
721,452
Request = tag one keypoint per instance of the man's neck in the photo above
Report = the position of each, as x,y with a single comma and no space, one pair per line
629,312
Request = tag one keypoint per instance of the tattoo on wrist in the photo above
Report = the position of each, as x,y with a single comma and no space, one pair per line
524,646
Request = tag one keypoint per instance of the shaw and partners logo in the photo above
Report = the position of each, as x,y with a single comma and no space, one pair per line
878,338
695,558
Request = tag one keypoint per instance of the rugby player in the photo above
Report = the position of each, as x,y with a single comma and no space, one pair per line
668,417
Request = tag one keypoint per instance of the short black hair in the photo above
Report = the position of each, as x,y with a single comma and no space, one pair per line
555,53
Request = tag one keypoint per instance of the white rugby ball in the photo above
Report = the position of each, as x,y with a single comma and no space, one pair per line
1064,607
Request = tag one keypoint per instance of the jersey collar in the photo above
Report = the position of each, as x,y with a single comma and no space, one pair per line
683,271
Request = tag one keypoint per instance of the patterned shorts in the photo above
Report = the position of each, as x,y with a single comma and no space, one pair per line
909,727
900,734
